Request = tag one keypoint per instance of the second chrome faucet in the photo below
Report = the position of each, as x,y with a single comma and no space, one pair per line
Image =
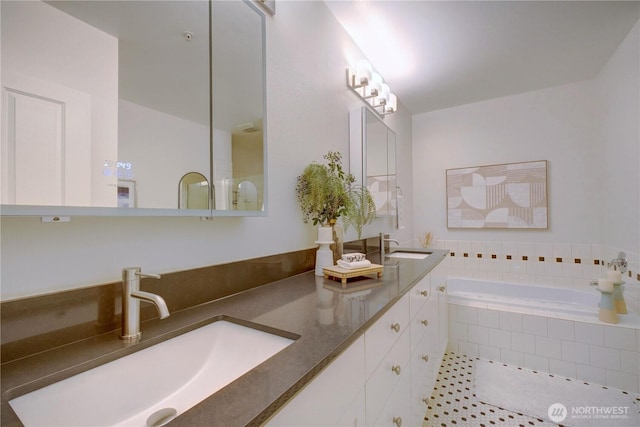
384,239
131,297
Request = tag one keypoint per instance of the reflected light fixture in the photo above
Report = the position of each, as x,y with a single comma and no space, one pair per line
370,87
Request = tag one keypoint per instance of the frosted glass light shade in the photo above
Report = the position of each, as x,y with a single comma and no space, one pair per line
375,84
385,91
363,72
392,105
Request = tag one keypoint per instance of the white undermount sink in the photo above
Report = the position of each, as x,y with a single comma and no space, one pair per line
409,255
152,386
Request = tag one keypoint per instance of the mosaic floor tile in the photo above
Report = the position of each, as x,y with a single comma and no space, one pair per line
454,404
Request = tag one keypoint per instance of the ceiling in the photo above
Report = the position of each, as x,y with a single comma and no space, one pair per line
439,54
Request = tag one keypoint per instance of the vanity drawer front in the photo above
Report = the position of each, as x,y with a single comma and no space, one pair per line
397,410
383,381
384,333
419,295
424,326
424,367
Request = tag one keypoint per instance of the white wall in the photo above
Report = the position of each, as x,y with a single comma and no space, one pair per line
589,132
557,124
308,104
161,148
619,97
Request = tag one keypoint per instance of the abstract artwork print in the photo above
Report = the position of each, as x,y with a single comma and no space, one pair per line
512,195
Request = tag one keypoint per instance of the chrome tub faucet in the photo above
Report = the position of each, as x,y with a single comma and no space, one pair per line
621,263
131,297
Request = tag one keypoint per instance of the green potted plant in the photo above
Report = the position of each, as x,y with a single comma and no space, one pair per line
327,193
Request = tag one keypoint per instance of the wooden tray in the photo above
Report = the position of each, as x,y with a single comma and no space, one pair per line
337,272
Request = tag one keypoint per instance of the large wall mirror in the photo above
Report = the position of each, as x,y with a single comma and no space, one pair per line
106,105
372,160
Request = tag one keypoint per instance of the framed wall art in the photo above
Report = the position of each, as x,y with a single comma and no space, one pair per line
510,195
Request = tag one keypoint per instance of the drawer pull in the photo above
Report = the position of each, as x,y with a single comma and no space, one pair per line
396,327
424,293
397,421
396,369
425,322
425,358
442,288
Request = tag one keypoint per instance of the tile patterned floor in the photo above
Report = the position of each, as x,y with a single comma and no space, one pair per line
454,404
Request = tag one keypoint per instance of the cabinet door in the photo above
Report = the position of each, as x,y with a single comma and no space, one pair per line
354,416
424,323
419,294
425,358
397,411
423,379
383,381
443,317
384,333
332,397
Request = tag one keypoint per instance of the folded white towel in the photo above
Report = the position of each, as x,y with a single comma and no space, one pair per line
353,265
356,256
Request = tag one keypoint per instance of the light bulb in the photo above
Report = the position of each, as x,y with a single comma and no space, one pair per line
384,92
363,72
374,85
392,105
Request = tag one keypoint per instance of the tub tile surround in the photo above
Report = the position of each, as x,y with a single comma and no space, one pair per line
606,355
587,350
570,265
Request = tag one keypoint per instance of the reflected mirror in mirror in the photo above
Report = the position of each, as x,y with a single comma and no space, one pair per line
193,191
97,93
372,160
238,106
380,164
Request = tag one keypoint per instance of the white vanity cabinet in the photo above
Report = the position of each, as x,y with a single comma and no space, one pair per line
387,375
382,335
397,411
428,341
381,386
439,287
418,298
334,397
425,357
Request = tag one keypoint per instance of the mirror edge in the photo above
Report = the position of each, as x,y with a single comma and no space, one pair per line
264,211
357,167
38,210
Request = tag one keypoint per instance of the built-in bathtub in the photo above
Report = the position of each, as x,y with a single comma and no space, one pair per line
544,328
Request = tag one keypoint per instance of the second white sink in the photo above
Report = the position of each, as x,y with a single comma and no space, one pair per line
410,255
154,385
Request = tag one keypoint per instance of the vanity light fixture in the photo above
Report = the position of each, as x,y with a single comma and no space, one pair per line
370,87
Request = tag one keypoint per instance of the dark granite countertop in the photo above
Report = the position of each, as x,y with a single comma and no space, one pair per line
326,318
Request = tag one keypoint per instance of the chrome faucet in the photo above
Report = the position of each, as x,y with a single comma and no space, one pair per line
384,238
131,297
621,263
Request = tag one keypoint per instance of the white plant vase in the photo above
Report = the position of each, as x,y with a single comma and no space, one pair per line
324,255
